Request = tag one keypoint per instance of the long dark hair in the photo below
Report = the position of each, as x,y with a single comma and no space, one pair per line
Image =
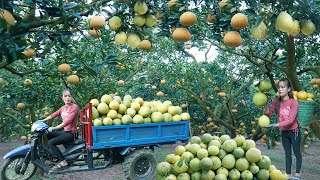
290,93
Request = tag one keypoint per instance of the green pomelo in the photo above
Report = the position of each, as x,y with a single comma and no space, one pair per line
195,140
196,176
206,138
221,154
239,140
246,175
163,168
180,166
206,164
213,150
220,177
216,162
224,137
229,145
253,155
263,174
183,176
207,175
195,164
179,150
228,161
187,156
254,169
264,162
238,152
223,170
248,144
234,174
242,164
202,153
215,142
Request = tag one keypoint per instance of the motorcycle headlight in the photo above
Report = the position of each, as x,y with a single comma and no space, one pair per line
34,127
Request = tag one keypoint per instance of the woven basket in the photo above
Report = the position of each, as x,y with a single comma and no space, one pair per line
305,112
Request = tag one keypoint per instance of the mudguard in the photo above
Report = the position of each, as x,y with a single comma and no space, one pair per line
22,150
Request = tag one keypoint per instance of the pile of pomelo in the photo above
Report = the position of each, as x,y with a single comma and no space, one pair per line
114,110
220,158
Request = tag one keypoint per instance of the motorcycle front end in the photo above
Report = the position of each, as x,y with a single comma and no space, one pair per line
18,165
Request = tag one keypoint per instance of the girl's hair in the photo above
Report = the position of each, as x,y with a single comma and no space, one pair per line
68,90
290,94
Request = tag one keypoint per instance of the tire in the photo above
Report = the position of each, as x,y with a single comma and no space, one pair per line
11,166
140,165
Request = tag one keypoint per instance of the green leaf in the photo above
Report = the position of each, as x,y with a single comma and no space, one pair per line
90,71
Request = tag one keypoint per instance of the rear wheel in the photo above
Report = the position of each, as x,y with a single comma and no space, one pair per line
140,165
10,170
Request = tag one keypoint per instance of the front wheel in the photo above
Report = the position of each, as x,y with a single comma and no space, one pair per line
10,170
140,165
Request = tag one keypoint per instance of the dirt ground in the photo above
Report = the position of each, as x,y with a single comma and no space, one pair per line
310,166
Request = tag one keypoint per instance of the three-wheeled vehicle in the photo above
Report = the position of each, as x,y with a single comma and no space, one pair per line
97,148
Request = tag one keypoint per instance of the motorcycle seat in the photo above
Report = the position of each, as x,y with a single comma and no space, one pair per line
75,142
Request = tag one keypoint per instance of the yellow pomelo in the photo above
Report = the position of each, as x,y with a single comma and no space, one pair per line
64,68
188,19
97,22
95,33
260,31
284,22
115,23
308,27
259,99
264,121
121,38
239,21
181,35
7,16
232,39
133,40
295,30
73,79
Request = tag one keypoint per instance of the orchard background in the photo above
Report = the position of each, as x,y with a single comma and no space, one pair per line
215,86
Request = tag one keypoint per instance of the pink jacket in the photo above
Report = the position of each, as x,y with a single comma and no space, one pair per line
69,115
287,113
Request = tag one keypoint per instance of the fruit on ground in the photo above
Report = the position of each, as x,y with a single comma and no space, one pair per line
140,7
246,175
234,174
180,166
97,22
260,31
115,23
264,162
181,35
95,33
228,161
206,138
133,40
229,145
308,27
224,137
284,22
7,16
21,106
253,155
263,174
64,68
239,21
232,39
163,168
264,121
120,38
206,164
242,164
145,44
240,140
248,144
264,86
73,79
29,53
188,19
259,99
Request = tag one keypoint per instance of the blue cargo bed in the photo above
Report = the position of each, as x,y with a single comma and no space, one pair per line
139,134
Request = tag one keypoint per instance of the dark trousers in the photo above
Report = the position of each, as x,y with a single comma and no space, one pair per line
57,138
289,139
